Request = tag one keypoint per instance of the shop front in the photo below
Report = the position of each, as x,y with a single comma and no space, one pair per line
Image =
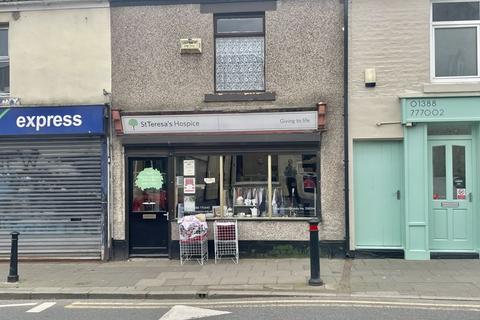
441,154
259,168
52,181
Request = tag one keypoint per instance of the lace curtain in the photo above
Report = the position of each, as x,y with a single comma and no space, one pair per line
240,64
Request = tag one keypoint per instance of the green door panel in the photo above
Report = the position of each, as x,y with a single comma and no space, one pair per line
378,167
461,225
439,224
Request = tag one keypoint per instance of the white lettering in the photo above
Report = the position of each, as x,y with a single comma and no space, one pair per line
30,122
67,120
41,122
21,122
77,120
57,121
49,120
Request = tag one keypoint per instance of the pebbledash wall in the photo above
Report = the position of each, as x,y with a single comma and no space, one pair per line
303,67
53,140
405,133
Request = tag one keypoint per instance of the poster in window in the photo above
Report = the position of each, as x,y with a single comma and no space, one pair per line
189,204
189,185
461,193
188,167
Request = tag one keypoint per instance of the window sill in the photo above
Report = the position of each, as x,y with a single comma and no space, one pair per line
240,96
451,87
258,218
263,218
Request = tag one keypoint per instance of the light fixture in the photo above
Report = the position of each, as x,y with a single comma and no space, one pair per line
370,78
191,45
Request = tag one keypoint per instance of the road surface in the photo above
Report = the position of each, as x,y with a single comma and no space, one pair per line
245,309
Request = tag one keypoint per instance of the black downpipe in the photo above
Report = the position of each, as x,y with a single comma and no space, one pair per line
345,126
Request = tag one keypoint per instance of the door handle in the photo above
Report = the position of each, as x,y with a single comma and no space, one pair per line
398,194
470,197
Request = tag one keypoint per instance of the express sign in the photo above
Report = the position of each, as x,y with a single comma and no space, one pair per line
52,120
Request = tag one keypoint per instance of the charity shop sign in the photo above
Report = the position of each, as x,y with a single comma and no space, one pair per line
221,122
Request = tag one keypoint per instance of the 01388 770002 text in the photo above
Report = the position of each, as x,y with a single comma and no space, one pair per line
425,108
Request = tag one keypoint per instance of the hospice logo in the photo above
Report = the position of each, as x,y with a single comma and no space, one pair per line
39,122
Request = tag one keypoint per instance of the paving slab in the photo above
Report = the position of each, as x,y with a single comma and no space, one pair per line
178,282
144,283
262,280
233,280
205,281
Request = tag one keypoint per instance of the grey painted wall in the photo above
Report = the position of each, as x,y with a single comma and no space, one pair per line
304,65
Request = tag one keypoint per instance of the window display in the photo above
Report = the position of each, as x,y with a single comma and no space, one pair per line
248,185
296,194
199,193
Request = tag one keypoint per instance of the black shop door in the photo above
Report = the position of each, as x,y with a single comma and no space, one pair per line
148,212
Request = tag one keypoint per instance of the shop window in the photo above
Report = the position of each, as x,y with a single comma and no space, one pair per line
455,28
246,184
197,184
449,128
296,193
239,53
251,167
254,185
4,62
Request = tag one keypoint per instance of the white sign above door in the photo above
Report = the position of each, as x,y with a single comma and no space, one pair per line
221,122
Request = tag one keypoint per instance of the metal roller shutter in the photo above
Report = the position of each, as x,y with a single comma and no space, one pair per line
51,192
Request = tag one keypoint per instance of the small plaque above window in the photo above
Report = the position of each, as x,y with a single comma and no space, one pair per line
191,45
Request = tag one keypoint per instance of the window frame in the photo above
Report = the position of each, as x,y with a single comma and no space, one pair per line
450,25
269,182
238,35
6,59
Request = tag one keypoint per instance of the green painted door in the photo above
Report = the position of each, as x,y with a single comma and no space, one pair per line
378,167
451,214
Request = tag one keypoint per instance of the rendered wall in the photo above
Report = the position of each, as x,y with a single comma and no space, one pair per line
304,65
59,57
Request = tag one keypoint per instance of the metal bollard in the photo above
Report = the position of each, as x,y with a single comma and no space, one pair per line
314,254
13,275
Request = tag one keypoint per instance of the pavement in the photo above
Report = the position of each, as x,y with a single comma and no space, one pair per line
167,279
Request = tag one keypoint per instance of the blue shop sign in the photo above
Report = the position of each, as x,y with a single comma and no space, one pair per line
52,120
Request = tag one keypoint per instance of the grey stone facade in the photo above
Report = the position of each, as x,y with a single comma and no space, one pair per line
304,66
